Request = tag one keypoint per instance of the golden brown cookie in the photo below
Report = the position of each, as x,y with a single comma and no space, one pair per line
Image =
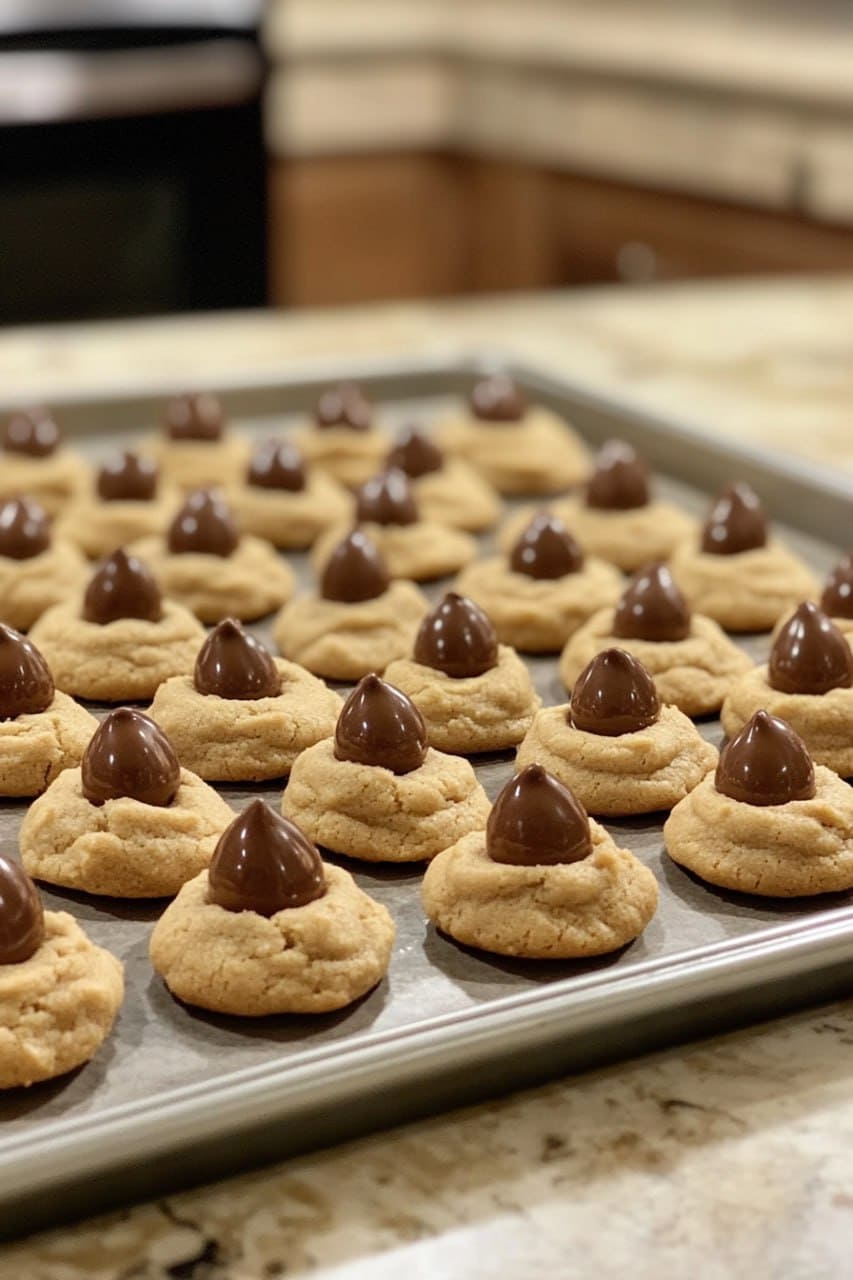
447,490
376,791
282,501
37,568
121,639
518,448
270,928
195,449
59,993
690,658
543,591
808,682
769,822
542,882
616,747
243,715
125,501
360,620
130,823
474,694
628,539
341,439
35,463
837,597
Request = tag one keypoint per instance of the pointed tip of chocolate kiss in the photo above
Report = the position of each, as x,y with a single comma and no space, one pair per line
26,685
620,481
21,914
498,398
386,499
415,453
735,523
380,726
277,465
652,607
458,638
264,863
767,763
127,477
32,432
546,549
196,416
837,597
355,571
537,821
122,587
614,694
232,663
204,526
346,405
129,755
24,529
809,654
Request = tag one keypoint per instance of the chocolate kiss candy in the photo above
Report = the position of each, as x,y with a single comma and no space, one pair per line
457,638
415,454
32,432
498,399
620,481
344,406
387,499
122,587
205,525
837,598
21,914
379,725
127,477
196,417
652,608
277,464
546,549
614,694
536,821
234,664
24,529
264,863
809,654
130,755
736,523
26,685
354,571
766,763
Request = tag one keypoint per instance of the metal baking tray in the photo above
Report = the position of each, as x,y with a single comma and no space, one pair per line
177,1095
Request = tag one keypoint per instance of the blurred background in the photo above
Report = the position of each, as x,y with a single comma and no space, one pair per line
175,155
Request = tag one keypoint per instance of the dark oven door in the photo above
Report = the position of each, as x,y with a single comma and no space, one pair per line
132,173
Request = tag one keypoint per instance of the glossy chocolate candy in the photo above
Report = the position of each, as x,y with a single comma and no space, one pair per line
194,417
122,587
809,654
380,726
652,608
614,694
498,399
415,453
546,549
354,571
203,525
344,406
735,523
536,821
130,755
21,914
277,464
26,685
620,481
387,499
32,432
127,477
837,598
766,763
264,863
24,529
456,637
232,663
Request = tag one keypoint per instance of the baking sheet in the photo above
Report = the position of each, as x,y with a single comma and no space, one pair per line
179,1084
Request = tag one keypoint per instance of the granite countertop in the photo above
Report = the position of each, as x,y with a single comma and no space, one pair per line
728,1158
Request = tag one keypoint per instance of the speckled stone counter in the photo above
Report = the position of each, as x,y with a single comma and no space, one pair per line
729,1158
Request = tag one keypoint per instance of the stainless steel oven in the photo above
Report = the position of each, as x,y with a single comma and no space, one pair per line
132,173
